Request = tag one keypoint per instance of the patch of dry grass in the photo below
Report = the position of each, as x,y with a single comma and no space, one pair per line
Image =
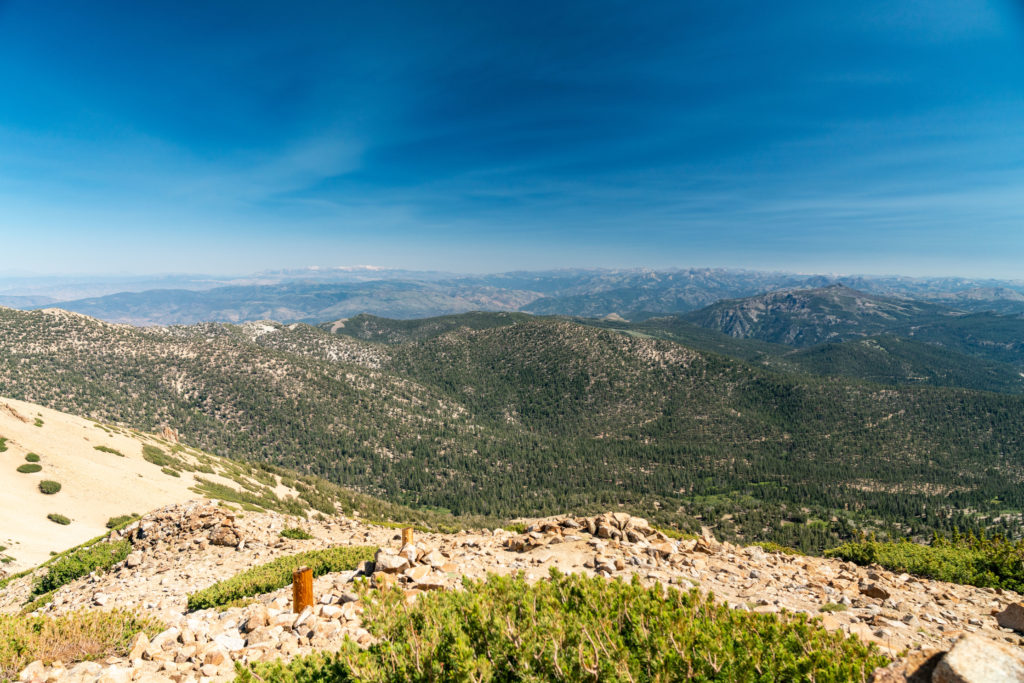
73,638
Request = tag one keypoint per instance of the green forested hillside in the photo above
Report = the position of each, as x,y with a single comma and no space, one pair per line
893,360
987,335
544,416
886,358
391,331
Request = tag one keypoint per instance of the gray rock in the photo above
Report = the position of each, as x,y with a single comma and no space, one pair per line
229,642
874,590
915,667
34,671
975,659
164,638
114,674
1012,617
225,535
391,564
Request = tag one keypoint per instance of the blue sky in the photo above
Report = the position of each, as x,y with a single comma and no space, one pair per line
873,137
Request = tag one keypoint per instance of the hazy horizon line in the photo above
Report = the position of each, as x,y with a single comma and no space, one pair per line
323,269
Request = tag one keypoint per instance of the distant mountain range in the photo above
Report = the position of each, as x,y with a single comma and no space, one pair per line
25,301
296,302
318,295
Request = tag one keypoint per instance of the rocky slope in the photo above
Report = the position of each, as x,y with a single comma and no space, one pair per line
804,317
181,549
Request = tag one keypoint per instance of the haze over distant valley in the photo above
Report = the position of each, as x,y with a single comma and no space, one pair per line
320,294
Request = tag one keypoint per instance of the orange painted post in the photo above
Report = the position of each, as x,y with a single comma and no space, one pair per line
302,589
407,535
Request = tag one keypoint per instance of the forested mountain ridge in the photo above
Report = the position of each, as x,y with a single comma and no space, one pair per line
544,415
855,334
890,359
948,354
390,331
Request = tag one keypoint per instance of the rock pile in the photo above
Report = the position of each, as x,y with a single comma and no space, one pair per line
414,566
620,540
196,523
615,526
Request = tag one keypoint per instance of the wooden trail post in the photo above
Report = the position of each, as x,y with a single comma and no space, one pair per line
302,589
406,535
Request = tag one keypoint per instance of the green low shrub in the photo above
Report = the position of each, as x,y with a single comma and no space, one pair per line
278,574
49,487
81,562
58,519
31,457
984,562
3,444
266,499
155,455
574,628
121,521
296,533
675,533
30,468
770,547
108,449
81,636
39,422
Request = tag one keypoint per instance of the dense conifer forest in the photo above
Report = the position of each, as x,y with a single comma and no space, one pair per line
539,415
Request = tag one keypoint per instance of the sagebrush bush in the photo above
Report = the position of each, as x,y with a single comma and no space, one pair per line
278,574
574,628
58,518
31,457
984,562
108,449
49,486
30,468
81,562
72,638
